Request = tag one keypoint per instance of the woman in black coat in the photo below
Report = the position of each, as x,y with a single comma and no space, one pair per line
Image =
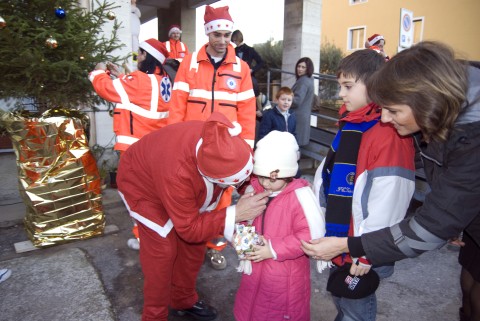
425,92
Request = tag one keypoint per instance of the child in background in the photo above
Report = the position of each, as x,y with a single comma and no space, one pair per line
278,286
368,177
279,117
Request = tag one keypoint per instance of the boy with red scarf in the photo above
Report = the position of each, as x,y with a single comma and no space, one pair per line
368,177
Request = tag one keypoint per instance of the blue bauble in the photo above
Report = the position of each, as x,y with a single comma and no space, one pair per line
60,13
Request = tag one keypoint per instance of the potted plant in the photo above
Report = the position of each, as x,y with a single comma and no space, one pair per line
107,163
112,165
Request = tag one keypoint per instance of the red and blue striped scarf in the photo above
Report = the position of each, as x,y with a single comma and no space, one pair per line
340,166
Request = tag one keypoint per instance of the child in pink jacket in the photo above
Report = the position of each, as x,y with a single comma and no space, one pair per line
278,284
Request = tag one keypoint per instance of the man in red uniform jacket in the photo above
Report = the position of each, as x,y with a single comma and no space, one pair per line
176,49
171,181
215,79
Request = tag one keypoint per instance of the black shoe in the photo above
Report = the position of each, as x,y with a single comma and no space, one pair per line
199,311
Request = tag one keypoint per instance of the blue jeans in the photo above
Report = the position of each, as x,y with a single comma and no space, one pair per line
364,309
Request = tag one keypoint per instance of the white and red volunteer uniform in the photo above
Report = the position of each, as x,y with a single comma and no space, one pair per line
142,103
200,89
176,49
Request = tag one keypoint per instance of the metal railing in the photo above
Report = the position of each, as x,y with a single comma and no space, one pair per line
327,93
331,80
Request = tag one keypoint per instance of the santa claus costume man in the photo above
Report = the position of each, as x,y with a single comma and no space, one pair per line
171,181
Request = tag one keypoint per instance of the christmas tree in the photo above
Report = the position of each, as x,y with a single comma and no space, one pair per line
48,48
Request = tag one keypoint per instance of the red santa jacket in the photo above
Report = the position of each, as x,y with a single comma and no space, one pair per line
142,103
199,90
176,49
160,182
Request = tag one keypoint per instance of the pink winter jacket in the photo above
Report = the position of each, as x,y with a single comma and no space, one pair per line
278,289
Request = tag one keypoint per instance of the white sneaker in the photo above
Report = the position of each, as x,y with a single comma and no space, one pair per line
5,274
134,244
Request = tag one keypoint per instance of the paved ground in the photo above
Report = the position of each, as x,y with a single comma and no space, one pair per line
100,279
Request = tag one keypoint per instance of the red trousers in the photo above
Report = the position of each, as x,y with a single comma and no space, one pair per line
170,268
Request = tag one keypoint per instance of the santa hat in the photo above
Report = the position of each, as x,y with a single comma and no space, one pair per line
217,19
276,152
374,39
156,48
174,28
223,157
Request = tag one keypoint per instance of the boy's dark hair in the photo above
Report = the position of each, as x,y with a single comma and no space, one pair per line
149,65
284,91
360,64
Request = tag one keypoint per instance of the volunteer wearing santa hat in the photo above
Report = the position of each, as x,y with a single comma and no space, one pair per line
176,49
171,180
215,79
377,42
215,64
142,96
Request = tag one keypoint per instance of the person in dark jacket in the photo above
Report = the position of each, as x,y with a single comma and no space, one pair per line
279,117
250,56
425,92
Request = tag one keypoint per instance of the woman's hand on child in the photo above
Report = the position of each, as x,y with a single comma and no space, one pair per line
325,248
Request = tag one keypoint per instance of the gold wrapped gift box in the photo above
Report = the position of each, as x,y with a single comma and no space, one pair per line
58,177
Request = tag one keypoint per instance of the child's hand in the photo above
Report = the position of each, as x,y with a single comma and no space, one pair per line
261,252
360,267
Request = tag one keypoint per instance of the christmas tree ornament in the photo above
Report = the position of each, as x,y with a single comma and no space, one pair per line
3,23
51,43
60,12
53,46
82,57
111,15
